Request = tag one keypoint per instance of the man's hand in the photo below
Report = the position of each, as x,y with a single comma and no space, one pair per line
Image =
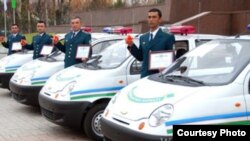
1,39
129,40
85,59
55,40
161,69
23,42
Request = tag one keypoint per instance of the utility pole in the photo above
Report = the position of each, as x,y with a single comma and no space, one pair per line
46,13
29,30
13,5
199,11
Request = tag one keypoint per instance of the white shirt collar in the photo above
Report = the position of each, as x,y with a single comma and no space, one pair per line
154,32
41,34
14,35
76,32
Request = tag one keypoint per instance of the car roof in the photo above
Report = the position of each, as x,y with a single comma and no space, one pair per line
247,37
199,36
94,35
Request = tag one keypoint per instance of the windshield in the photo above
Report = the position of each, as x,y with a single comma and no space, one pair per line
215,63
56,56
112,56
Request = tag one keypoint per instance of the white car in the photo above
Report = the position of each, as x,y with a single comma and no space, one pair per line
28,80
208,85
9,64
77,96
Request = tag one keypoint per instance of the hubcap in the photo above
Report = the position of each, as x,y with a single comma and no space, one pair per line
96,126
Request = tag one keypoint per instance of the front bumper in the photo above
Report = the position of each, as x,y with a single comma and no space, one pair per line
5,79
116,132
25,94
65,113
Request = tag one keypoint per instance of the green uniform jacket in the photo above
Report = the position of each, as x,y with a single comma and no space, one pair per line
12,39
70,46
37,44
162,41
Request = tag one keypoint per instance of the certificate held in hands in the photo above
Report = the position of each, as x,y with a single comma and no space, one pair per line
83,51
160,59
46,50
16,46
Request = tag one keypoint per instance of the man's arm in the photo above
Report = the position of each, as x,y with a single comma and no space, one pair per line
5,44
136,52
60,46
29,46
171,42
88,39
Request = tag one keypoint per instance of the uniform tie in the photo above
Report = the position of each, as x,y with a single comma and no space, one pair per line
151,37
73,35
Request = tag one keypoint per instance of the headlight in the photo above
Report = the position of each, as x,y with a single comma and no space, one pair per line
161,115
68,88
3,64
24,78
114,98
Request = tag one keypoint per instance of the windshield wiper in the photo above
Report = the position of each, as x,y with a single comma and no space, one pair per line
93,61
184,78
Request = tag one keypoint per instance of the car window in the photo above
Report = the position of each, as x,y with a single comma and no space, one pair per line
135,67
217,62
181,47
199,42
102,45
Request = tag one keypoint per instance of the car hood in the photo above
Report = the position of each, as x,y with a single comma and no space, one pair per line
10,63
73,80
141,98
36,72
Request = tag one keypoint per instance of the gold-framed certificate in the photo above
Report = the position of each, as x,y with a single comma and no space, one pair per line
46,50
83,51
160,59
16,46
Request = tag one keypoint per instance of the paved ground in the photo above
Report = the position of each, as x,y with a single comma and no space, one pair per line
19,122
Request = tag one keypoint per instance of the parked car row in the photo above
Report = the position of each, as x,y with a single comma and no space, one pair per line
106,98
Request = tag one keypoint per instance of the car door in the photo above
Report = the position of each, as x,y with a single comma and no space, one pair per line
247,92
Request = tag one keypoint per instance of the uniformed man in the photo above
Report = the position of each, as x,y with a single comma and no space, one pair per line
39,40
154,40
72,40
15,36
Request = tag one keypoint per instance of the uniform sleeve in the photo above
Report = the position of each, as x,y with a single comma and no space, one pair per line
171,42
29,46
50,40
87,39
23,37
136,52
60,46
6,44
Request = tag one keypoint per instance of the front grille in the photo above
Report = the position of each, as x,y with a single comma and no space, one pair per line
51,115
47,93
121,121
